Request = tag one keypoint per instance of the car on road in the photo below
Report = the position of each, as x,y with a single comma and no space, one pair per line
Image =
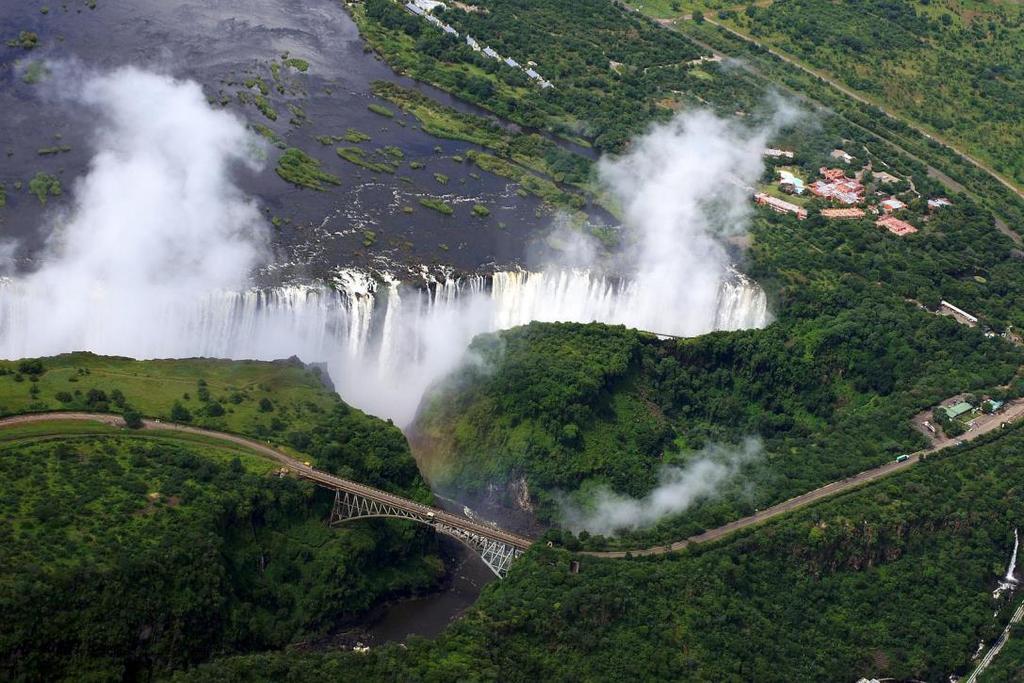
902,458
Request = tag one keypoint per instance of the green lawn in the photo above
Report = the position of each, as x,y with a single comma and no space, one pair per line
241,388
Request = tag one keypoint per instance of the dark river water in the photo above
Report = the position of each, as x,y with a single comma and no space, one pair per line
220,44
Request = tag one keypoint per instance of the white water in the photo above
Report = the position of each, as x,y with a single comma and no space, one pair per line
1009,581
383,342
1009,578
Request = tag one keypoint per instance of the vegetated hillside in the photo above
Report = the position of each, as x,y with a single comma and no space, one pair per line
892,580
951,66
568,407
132,554
830,386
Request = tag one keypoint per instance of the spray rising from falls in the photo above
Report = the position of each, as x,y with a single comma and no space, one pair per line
383,342
155,256
679,488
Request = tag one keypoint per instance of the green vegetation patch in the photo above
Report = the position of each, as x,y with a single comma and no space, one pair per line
298,168
354,136
26,40
109,536
438,205
359,157
35,72
43,185
531,150
571,407
50,151
297,64
533,184
381,110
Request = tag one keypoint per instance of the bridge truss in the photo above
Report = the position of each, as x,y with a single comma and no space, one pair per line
496,554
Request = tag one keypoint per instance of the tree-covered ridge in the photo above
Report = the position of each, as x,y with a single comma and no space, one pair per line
830,396
128,558
891,580
950,66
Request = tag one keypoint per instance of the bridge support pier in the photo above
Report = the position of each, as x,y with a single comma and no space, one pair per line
496,554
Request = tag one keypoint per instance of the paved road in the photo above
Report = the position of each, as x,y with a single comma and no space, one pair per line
301,469
1014,410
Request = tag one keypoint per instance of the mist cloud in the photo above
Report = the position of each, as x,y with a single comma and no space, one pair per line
156,221
678,489
682,186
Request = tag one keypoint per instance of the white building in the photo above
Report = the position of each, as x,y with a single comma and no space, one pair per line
471,41
428,5
840,154
512,63
491,53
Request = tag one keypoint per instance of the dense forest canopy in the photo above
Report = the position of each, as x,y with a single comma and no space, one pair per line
894,580
129,555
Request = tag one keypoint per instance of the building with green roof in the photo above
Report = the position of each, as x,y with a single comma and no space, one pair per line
955,411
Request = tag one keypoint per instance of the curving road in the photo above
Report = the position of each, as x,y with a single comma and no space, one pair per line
301,469
1013,411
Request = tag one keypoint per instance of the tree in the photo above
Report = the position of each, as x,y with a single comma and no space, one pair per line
180,413
133,418
698,16
266,405
31,367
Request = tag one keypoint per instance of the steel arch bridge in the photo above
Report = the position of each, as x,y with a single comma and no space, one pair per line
498,549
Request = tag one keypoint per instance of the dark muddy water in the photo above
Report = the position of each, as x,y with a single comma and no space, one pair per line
222,44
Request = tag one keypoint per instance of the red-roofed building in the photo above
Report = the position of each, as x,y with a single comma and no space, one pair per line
892,204
837,186
895,225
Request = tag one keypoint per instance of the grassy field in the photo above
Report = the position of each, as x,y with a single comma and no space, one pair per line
251,394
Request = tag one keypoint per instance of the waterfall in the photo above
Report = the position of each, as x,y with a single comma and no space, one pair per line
383,341
1009,578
